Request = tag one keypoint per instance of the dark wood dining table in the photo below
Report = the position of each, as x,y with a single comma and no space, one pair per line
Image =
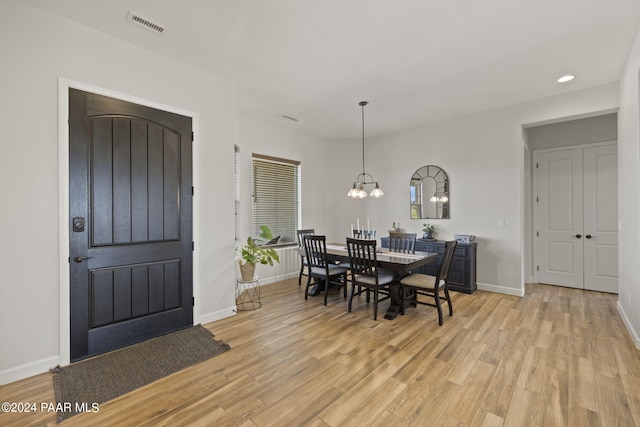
399,263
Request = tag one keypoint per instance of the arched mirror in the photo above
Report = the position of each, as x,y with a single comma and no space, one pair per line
429,193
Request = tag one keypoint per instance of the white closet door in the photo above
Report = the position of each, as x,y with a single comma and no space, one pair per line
601,218
560,218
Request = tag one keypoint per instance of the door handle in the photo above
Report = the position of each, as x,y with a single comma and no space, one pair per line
79,258
589,236
577,236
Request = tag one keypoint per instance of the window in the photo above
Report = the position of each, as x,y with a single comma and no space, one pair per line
276,196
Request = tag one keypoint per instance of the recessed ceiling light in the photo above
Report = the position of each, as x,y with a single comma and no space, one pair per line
566,78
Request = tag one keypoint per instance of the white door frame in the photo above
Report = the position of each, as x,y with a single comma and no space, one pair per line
536,244
63,199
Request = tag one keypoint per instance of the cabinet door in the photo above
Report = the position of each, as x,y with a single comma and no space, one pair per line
432,267
457,274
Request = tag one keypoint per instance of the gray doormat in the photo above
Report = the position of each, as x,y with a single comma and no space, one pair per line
102,378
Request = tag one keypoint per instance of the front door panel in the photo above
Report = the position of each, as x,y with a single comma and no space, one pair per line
130,182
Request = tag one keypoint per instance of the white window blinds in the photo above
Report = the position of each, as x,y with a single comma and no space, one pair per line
276,196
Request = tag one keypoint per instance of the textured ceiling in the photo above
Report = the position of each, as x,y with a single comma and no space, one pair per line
416,61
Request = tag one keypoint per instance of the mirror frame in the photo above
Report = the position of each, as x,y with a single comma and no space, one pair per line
417,199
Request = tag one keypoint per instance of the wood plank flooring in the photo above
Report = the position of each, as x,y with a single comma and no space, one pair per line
557,357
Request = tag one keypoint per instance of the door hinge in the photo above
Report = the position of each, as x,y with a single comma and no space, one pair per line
192,136
536,166
537,199
69,260
537,268
193,301
193,246
537,234
193,191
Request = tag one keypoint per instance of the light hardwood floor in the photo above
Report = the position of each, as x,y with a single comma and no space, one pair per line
557,357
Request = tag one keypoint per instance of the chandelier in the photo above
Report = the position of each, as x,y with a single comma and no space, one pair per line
440,196
358,191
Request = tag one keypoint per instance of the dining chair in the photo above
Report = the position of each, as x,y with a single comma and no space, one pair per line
430,286
301,251
402,242
365,274
363,234
320,268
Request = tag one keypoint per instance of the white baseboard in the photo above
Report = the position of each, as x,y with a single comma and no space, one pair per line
501,289
632,332
28,370
217,315
278,278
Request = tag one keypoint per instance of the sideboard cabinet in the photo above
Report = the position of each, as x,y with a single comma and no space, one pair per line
462,276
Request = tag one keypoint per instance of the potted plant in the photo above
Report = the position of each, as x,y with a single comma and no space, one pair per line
253,254
429,230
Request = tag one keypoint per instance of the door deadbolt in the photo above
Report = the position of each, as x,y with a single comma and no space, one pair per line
78,224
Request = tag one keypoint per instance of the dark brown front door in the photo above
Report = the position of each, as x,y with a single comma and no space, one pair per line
130,223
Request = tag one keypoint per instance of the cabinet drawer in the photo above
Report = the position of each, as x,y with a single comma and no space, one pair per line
461,250
429,246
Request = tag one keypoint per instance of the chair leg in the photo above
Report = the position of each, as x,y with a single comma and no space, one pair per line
353,291
344,286
326,289
446,293
375,304
301,271
439,306
306,288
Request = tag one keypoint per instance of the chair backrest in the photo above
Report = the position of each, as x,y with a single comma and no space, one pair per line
302,233
364,234
445,262
362,256
315,248
402,242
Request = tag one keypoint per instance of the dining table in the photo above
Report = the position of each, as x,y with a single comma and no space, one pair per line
399,263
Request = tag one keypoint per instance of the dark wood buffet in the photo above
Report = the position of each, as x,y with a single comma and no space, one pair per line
462,276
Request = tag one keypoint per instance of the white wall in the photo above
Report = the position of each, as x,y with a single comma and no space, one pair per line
628,194
573,132
483,156
37,48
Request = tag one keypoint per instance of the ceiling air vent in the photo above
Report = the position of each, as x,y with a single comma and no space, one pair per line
146,23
